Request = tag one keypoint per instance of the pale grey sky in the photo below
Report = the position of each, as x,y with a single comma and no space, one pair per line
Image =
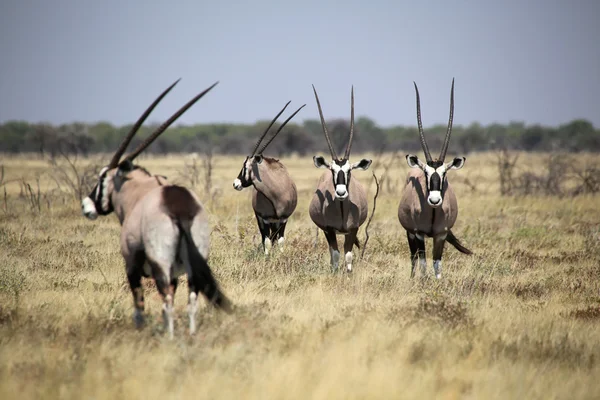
76,60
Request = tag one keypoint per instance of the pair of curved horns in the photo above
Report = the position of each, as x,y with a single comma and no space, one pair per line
123,146
260,139
448,131
349,146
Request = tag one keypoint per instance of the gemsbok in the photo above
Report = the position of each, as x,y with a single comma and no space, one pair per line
164,227
274,194
339,205
428,206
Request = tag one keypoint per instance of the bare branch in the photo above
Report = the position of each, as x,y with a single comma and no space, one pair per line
362,254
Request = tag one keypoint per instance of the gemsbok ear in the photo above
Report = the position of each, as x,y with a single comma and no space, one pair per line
457,163
320,162
258,158
413,161
125,167
363,164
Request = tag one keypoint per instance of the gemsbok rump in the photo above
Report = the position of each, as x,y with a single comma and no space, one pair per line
274,195
165,230
428,206
340,204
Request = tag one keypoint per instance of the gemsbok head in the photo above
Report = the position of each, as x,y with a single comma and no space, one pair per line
339,205
164,227
274,195
428,205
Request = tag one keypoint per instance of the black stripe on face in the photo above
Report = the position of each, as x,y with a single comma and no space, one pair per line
98,194
341,178
435,182
244,173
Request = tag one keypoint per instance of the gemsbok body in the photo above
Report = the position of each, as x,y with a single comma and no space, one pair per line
428,206
339,205
274,194
165,231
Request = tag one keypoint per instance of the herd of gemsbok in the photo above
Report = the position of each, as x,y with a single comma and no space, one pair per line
165,231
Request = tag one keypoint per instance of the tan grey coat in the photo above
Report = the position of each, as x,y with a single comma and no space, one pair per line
165,230
428,206
343,216
417,216
274,194
339,205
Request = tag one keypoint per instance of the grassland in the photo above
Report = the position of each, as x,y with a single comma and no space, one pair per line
519,319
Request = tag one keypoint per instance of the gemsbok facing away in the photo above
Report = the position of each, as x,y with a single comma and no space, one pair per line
428,206
274,195
165,231
340,204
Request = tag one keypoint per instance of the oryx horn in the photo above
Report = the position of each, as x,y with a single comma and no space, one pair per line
260,139
449,131
131,156
349,147
279,129
421,133
331,150
123,146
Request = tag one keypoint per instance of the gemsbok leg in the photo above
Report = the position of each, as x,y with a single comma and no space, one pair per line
333,249
134,266
348,245
438,250
277,232
265,232
167,291
417,252
414,249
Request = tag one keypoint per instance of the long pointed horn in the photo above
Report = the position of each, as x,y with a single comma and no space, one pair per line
331,150
166,124
279,130
260,139
349,147
421,133
449,131
123,146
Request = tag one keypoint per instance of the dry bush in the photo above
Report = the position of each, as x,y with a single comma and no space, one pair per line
506,163
557,174
70,176
199,169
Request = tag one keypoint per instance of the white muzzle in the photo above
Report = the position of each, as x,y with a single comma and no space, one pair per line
88,208
341,192
435,198
237,184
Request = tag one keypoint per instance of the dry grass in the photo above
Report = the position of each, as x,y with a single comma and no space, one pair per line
519,319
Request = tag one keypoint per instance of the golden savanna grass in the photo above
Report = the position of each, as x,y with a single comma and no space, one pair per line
519,319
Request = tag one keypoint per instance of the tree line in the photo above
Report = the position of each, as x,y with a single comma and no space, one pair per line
302,138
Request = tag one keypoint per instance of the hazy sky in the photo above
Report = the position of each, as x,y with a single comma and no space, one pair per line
76,60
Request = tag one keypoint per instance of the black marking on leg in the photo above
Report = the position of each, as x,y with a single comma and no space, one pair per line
414,248
265,229
438,246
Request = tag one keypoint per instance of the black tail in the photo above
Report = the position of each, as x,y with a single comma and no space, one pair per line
202,276
450,238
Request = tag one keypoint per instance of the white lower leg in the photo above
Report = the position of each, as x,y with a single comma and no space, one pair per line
349,261
168,314
423,266
267,246
437,268
280,242
192,309
335,258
